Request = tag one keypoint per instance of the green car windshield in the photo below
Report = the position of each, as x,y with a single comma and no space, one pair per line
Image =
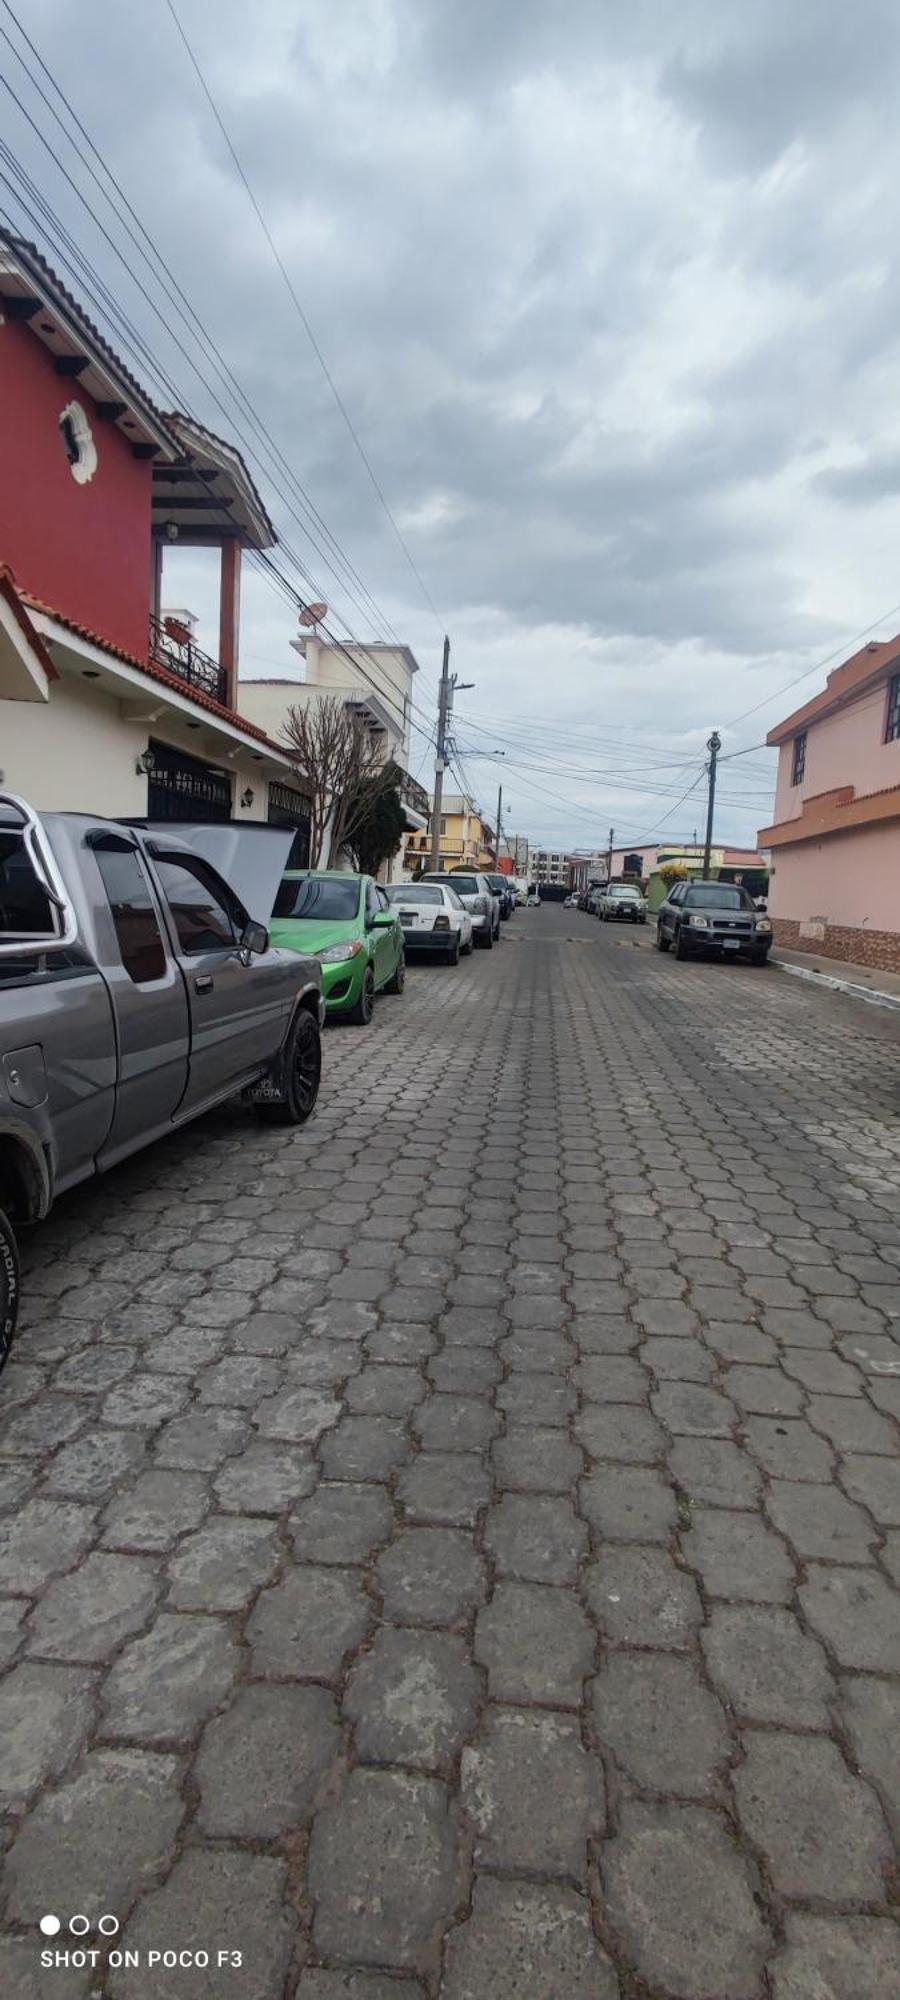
325,898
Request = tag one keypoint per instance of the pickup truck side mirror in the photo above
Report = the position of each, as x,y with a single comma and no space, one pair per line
254,938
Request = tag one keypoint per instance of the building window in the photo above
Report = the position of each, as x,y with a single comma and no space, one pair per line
137,931
443,826
78,443
893,711
798,762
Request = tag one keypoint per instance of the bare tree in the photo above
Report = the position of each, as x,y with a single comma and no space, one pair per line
343,768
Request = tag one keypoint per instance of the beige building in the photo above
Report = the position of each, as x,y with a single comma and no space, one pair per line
374,681
466,838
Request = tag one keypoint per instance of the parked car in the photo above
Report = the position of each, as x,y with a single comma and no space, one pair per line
594,897
621,902
432,917
347,922
477,896
713,917
135,993
501,887
571,903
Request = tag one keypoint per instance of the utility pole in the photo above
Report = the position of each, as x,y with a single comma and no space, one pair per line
445,696
714,745
612,831
448,686
499,811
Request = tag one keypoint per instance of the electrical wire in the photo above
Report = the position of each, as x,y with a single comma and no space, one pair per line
111,310
303,316
140,237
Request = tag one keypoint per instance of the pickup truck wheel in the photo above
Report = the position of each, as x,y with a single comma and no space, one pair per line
302,1071
9,1287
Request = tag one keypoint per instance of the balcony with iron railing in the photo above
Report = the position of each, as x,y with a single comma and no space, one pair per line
172,646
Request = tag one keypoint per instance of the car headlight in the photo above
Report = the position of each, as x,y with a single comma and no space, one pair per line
337,954
762,924
699,923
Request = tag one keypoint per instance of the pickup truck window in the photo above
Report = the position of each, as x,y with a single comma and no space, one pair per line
25,911
137,931
206,917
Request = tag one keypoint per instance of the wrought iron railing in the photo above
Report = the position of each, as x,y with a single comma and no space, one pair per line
413,794
171,646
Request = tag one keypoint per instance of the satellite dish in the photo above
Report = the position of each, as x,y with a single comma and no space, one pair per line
312,614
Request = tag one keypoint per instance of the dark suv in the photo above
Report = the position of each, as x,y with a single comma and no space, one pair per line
716,917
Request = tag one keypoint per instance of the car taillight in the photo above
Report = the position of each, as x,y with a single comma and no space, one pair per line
442,923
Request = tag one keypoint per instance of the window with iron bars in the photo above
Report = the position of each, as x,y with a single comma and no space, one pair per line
893,711
798,764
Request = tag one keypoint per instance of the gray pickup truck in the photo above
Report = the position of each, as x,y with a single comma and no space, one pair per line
135,994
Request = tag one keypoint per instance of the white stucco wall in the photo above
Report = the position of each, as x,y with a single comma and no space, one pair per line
78,751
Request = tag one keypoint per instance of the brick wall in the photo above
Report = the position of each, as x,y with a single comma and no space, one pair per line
853,947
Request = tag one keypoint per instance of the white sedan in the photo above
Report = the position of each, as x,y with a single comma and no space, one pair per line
432,918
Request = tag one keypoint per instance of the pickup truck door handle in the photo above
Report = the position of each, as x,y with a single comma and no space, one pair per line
203,982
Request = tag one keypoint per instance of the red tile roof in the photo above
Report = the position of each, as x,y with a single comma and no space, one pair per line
13,597
155,672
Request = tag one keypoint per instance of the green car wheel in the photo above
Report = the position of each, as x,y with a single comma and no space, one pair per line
397,980
361,1013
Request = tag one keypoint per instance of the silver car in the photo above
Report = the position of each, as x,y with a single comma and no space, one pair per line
621,902
476,895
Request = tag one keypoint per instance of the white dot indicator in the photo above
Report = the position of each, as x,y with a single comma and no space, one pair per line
79,1925
50,1925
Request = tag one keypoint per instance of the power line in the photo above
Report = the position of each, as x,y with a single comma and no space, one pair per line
302,316
83,272
817,669
109,308
199,332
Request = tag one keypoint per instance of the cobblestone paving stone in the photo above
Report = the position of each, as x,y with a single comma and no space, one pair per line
453,1552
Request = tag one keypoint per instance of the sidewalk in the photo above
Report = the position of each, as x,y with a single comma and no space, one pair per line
864,982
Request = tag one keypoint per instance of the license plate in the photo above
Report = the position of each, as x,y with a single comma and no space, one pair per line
731,944
407,922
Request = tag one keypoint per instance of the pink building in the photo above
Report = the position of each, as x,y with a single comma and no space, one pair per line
835,843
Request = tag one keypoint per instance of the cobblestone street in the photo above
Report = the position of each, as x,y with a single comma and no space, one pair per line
455,1549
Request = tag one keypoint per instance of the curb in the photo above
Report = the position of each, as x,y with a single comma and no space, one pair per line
868,993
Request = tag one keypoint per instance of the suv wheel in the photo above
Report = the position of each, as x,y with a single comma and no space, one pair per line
662,942
681,950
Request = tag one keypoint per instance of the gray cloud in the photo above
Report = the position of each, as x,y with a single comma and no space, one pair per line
608,291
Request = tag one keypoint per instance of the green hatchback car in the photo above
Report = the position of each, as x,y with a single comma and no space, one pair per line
346,922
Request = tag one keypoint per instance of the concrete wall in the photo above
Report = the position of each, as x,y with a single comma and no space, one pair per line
841,896
846,748
381,668
77,753
267,704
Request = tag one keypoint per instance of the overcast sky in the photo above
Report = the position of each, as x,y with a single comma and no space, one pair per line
611,294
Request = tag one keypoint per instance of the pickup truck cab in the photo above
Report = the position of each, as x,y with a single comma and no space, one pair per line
135,993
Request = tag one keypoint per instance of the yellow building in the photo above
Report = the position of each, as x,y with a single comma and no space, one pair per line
466,838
